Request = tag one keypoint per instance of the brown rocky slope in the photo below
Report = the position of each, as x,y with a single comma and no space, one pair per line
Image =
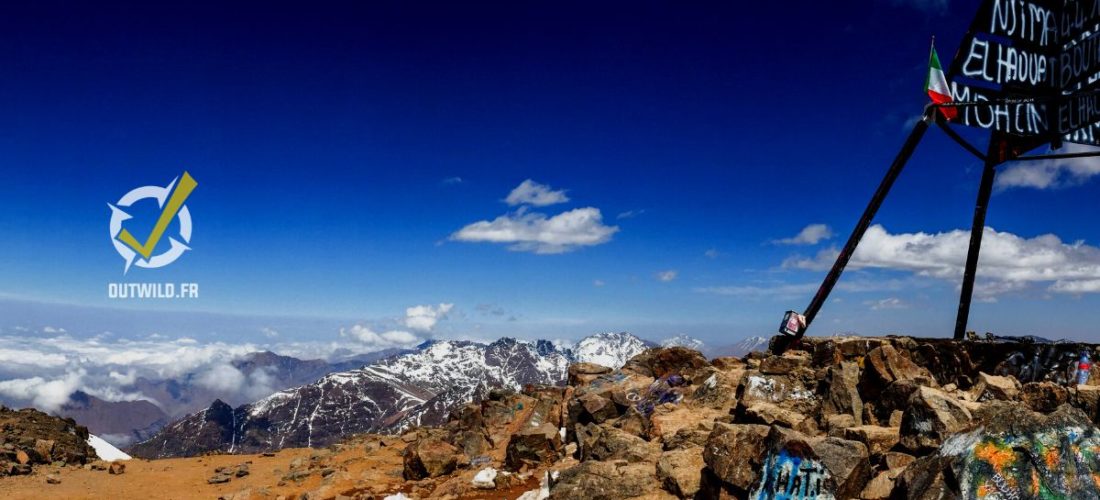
869,418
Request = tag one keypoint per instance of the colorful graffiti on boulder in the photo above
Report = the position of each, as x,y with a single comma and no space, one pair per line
1057,463
792,473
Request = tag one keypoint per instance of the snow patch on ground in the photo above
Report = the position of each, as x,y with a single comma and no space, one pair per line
105,450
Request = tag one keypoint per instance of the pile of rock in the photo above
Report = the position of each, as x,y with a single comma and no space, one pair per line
29,437
869,418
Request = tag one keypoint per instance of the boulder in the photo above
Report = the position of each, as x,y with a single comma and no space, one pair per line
664,361
1013,453
735,453
44,449
609,443
485,479
931,418
786,363
598,480
596,408
116,468
994,387
877,439
681,471
879,488
582,374
884,365
841,392
847,461
429,457
533,446
767,413
896,460
1044,397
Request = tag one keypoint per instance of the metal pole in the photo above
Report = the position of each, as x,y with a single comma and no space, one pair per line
868,214
976,230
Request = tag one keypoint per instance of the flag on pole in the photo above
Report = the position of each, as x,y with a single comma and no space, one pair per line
936,85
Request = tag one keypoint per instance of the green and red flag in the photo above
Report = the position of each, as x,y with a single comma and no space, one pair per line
936,85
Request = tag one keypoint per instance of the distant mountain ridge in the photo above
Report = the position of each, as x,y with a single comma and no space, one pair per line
415,388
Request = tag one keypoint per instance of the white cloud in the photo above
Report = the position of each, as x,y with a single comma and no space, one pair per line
887,303
48,395
425,317
532,193
221,377
667,276
1050,174
712,253
452,180
367,337
50,329
630,214
598,283
269,332
535,232
1008,262
809,235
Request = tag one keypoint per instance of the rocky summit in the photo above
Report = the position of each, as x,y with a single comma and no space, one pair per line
29,437
853,417
829,418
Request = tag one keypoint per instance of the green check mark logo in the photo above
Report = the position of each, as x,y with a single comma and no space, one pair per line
186,185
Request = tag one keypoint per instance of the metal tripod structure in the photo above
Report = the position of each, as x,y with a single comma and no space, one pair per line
998,153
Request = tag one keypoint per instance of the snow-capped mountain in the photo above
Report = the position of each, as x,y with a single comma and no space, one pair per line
682,340
748,345
609,349
417,388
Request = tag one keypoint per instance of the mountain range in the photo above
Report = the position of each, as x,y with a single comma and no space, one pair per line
387,395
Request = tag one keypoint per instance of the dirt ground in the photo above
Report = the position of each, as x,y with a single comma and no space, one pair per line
346,470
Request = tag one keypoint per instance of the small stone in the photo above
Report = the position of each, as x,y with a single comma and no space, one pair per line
218,479
22,457
116,468
53,479
877,439
485,479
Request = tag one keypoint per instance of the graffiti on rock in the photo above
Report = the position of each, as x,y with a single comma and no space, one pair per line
1053,362
791,474
1060,463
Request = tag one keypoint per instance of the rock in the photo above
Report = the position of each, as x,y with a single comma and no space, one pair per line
430,457
848,463
219,479
884,365
841,394
582,374
877,439
598,480
993,387
53,479
735,453
597,408
44,449
879,488
485,479
895,460
787,391
932,416
768,414
22,457
242,470
1044,397
681,471
533,446
609,443
664,361
116,468
784,364
20,469
1011,454
835,424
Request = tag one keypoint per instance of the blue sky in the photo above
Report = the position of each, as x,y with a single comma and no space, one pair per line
341,150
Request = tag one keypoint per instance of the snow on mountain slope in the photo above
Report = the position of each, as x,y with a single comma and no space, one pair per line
417,388
609,349
104,449
682,340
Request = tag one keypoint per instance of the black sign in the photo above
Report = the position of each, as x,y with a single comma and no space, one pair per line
1037,62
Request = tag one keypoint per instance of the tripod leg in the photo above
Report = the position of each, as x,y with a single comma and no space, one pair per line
976,230
865,221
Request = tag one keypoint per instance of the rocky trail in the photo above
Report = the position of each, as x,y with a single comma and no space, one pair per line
852,417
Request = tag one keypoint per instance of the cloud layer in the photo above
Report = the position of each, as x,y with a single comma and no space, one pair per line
1008,262
1050,174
